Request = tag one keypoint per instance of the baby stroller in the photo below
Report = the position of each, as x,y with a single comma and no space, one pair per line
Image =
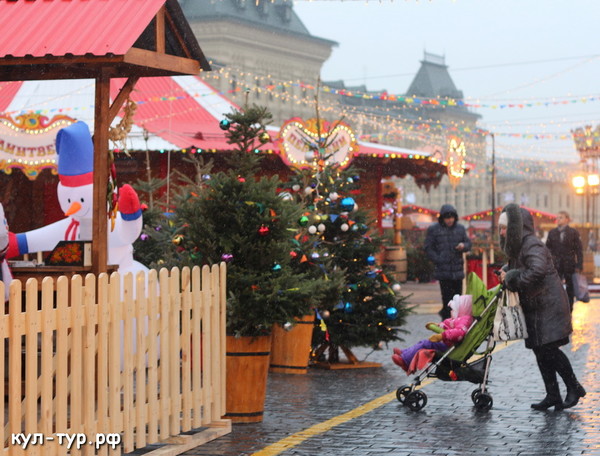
454,364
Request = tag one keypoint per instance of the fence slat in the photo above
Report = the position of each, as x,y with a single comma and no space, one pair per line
165,354
47,355
153,353
197,346
207,389
89,362
175,349
114,353
102,356
128,364
62,353
185,341
141,318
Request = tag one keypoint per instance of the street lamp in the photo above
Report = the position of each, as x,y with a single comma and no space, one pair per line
587,184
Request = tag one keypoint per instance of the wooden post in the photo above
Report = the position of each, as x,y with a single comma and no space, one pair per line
100,225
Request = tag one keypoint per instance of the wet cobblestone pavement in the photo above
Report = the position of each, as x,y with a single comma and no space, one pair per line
332,413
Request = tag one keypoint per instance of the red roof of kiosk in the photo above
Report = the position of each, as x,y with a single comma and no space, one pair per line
76,27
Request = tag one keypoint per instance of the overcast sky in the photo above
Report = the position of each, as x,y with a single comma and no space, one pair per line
499,52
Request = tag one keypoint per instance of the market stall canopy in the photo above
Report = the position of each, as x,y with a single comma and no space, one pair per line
483,219
100,40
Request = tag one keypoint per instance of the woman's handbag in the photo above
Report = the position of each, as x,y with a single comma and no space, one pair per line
509,322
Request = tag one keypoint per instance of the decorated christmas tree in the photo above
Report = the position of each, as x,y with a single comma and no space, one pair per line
370,310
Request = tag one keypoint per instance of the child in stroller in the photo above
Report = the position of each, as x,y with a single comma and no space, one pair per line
447,334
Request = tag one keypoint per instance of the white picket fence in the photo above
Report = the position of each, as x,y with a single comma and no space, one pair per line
93,369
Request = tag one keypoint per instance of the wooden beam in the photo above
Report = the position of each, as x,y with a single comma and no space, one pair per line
121,97
153,60
100,224
160,31
177,33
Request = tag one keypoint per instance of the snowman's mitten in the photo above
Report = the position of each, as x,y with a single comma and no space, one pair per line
129,203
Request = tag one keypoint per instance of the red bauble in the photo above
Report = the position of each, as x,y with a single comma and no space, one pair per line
264,230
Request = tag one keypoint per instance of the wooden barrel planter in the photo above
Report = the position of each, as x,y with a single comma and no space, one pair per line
247,370
395,259
290,350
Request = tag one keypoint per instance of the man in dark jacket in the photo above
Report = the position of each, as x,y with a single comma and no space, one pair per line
444,244
565,245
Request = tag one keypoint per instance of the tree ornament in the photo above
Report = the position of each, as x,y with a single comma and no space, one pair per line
308,190
371,260
263,230
347,204
286,196
287,326
315,256
396,288
293,254
371,274
309,155
144,237
333,196
177,239
392,313
276,267
295,187
321,227
344,227
348,308
227,257
264,138
303,221
312,229
157,228
325,314
224,124
241,179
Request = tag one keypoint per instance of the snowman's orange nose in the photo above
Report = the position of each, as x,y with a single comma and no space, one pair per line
75,206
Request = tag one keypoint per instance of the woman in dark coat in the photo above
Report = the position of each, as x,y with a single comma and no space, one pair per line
530,272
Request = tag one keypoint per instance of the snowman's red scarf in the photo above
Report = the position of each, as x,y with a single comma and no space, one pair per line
72,230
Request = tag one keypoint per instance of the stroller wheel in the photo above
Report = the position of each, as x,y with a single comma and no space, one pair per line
483,402
475,393
416,400
402,392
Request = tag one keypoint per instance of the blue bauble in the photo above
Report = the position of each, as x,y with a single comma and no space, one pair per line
224,124
347,204
348,308
371,274
371,260
392,313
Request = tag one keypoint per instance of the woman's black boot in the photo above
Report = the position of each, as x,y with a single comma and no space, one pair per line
549,401
574,393
574,389
552,398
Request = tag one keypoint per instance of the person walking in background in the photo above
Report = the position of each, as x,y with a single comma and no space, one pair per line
564,244
445,243
531,273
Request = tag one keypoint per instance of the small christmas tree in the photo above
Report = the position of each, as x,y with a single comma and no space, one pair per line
237,218
370,310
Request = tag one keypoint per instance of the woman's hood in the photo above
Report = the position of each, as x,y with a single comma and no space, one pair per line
519,224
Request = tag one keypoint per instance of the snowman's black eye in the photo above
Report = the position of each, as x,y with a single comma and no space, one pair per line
82,200
69,200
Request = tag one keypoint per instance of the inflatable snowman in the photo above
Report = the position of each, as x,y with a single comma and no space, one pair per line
75,195
5,274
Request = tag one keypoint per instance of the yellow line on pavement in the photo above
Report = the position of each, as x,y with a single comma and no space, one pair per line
320,428
296,439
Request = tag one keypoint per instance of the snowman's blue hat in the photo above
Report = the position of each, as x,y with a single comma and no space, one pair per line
75,155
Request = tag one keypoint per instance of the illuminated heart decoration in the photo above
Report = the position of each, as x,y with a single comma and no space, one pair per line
336,143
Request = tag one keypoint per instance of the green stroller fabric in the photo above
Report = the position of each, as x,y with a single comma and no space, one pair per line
483,328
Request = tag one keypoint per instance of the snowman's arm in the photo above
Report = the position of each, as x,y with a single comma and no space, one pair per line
39,240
